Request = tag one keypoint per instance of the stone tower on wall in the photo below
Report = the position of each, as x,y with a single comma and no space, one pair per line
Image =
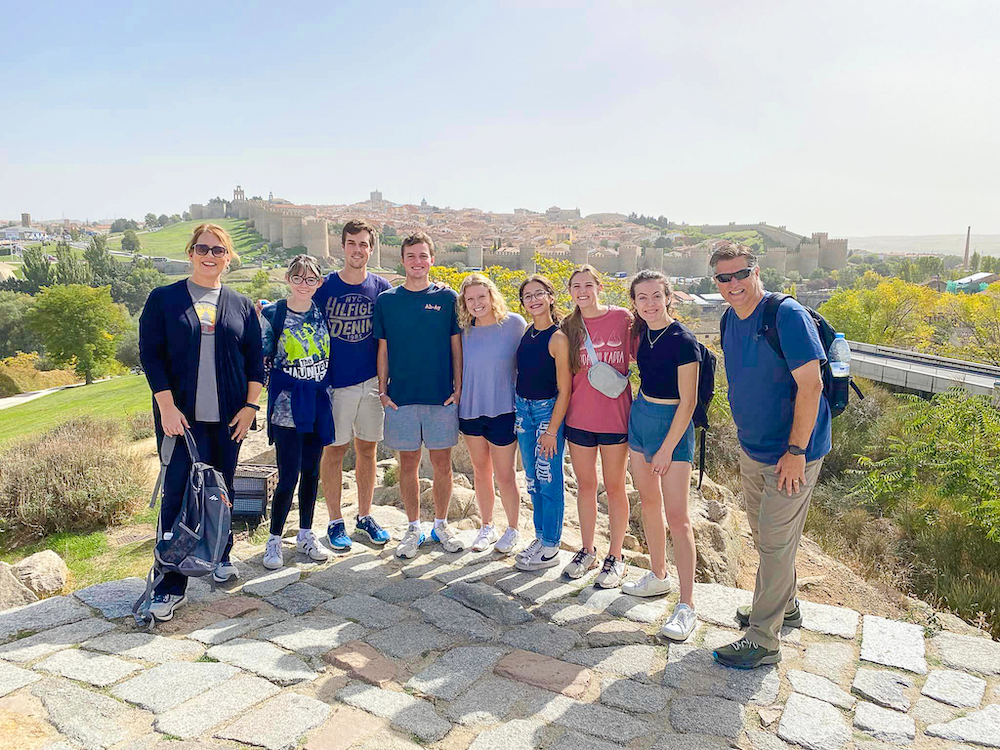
474,255
238,194
578,253
316,237
527,258
628,256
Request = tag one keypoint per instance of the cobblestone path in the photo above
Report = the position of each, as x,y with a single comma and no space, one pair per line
462,651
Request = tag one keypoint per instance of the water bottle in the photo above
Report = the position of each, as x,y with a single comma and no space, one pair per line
840,367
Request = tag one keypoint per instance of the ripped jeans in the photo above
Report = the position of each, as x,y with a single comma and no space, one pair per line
544,476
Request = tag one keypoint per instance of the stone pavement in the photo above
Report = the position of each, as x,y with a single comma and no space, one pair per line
460,651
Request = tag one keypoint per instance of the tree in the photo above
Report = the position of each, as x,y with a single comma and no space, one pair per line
15,335
69,269
78,326
150,220
120,225
103,267
974,262
772,279
979,316
130,242
162,220
186,216
174,219
138,279
37,270
890,313
664,242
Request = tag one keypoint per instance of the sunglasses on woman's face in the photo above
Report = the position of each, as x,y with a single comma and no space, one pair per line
218,251
307,280
725,278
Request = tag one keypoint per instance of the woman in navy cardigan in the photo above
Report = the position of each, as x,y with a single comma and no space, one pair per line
200,346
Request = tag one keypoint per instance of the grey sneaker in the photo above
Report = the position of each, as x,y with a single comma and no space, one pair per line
408,545
225,572
648,585
273,559
507,542
680,624
582,562
612,572
447,538
163,605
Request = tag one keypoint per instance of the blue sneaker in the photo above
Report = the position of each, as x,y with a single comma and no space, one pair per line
369,527
336,532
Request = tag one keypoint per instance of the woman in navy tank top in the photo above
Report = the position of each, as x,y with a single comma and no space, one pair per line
542,391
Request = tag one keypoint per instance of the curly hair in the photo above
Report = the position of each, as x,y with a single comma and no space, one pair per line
465,319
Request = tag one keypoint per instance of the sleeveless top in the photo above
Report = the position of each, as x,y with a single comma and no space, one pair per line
536,369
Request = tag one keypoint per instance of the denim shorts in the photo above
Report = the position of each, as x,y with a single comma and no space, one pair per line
407,427
498,430
648,424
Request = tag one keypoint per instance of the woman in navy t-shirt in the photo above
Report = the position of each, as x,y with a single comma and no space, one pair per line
661,442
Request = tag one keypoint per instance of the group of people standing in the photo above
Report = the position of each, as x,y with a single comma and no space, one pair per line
349,357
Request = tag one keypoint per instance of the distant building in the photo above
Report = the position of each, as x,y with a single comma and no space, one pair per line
554,213
25,220
22,234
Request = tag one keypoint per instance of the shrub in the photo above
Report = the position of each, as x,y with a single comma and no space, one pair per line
20,374
140,425
391,476
79,476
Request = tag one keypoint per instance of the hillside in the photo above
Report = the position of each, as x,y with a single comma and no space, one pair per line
931,244
169,242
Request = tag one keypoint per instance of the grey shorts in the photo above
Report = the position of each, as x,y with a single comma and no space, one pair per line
357,412
407,427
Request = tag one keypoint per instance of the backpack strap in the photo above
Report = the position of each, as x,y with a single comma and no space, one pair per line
701,458
278,324
166,454
770,328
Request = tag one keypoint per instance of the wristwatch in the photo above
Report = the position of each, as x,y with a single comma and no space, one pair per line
796,450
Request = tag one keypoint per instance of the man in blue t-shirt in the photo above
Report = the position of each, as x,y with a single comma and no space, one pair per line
347,299
783,425
420,382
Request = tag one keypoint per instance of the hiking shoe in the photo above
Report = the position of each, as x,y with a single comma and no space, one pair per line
162,606
792,619
648,585
273,559
543,557
447,538
582,562
336,534
745,654
611,573
680,624
307,543
369,527
487,535
412,539
225,572
528,551
507,542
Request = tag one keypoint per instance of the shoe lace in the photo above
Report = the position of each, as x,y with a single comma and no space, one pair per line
273,546
609,564
484,533
411,535
370,525
161,598
745,643
579,557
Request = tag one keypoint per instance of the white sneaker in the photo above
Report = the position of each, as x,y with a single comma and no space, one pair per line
487,535
163,605
580,564
507,542
536,544
225,572
648,585
273,559
680,624
307,544
544,557
408,545
611,573
447,538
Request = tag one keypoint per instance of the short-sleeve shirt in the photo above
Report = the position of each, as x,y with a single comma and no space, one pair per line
417,328
301,352
489,358
350,312
589,409
206,307
761,386
660,353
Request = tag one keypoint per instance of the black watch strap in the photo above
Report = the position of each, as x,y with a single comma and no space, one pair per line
255,407
796,450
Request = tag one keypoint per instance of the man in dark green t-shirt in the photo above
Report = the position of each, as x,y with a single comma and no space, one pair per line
420,384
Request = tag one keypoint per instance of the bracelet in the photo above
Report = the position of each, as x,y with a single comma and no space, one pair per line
549,434
255,407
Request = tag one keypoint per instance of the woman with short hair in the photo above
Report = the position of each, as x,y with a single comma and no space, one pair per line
200,347
490,335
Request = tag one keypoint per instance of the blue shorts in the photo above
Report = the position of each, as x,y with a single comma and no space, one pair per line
407,427
648,424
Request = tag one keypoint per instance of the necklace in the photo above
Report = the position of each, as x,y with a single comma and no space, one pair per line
652,341
536,331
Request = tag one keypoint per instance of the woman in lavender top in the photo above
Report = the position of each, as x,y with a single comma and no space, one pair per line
490,336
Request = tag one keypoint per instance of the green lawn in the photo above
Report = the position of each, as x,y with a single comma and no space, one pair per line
169,242
116,398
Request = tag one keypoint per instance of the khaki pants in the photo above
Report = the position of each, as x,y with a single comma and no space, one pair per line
776,521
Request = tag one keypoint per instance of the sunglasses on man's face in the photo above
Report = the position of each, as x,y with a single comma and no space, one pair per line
725,278
218,251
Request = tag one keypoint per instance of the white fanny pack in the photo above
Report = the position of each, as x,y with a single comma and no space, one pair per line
605,378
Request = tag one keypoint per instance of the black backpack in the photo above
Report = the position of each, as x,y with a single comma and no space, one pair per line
836,392
277,327
195,544
706,391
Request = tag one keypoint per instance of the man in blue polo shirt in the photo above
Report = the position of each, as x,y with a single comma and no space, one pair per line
783,425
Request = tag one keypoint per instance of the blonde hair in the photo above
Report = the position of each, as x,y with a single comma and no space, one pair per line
573,325
221,234
496,299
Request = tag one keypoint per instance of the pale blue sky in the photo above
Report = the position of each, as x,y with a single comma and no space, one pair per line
848,117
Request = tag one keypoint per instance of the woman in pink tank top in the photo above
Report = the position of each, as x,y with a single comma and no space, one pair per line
595,422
